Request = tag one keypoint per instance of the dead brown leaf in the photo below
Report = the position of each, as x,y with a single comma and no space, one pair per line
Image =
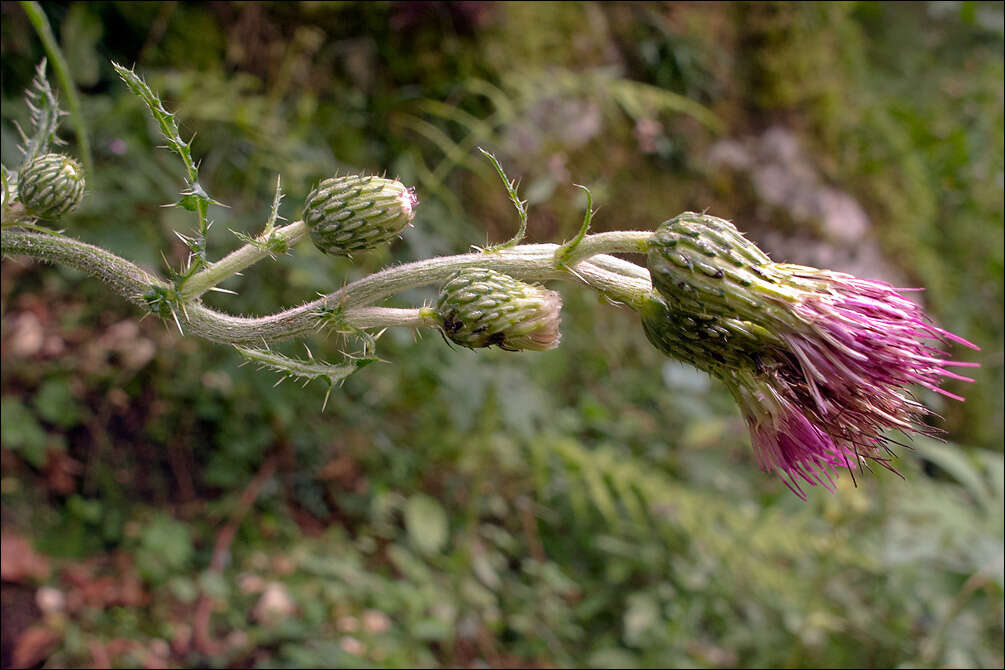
19,562
34,646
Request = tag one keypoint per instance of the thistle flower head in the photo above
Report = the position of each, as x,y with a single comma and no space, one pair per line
479,308
717,345
820,362
51,185
355,213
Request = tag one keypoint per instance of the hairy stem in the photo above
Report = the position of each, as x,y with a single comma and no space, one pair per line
125,278
618,241
617,279
242,258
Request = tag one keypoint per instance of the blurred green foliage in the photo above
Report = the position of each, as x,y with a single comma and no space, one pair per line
595,505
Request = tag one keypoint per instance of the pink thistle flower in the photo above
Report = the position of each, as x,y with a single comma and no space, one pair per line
857,346
820,362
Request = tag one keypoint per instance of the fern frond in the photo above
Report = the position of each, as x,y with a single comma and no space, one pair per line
636,501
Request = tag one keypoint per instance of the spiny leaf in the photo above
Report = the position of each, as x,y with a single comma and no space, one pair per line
45,115
570,246
305,370
268,242
9,184
270,225
521,205
194,197
164,118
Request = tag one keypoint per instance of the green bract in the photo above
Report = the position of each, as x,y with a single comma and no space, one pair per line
480,308
717,345
51,185
355,213
705,265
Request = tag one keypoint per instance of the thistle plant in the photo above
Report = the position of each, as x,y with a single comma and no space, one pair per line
820,363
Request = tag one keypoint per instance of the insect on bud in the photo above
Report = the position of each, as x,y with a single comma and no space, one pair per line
480,308
355,213
51,185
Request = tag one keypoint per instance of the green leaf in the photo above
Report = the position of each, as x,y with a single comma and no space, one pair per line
191,202
520,205
85,509
45,115
305,370
426,523
195,198
431,629
165,548
642,616
81,31
612,657
55,403
957,464
21,432
214,584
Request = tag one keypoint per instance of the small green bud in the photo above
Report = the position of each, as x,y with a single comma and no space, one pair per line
355,213
704,264
717,345
51,185
480,308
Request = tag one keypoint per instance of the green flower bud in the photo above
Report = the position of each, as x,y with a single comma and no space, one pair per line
480,308
355,213
717,345
705,265
51,185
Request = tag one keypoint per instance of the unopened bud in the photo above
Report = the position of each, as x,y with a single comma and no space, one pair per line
355,213
51,185
480,308
714,344
705,265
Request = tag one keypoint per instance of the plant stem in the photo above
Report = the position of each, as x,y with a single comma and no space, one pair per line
125,278
618,241
617,279
240,259
62,69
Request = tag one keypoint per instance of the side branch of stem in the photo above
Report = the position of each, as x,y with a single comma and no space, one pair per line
242,258
617,279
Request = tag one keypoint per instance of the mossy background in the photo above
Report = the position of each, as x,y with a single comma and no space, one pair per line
593,505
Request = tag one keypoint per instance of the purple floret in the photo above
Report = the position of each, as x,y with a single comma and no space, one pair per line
840,381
